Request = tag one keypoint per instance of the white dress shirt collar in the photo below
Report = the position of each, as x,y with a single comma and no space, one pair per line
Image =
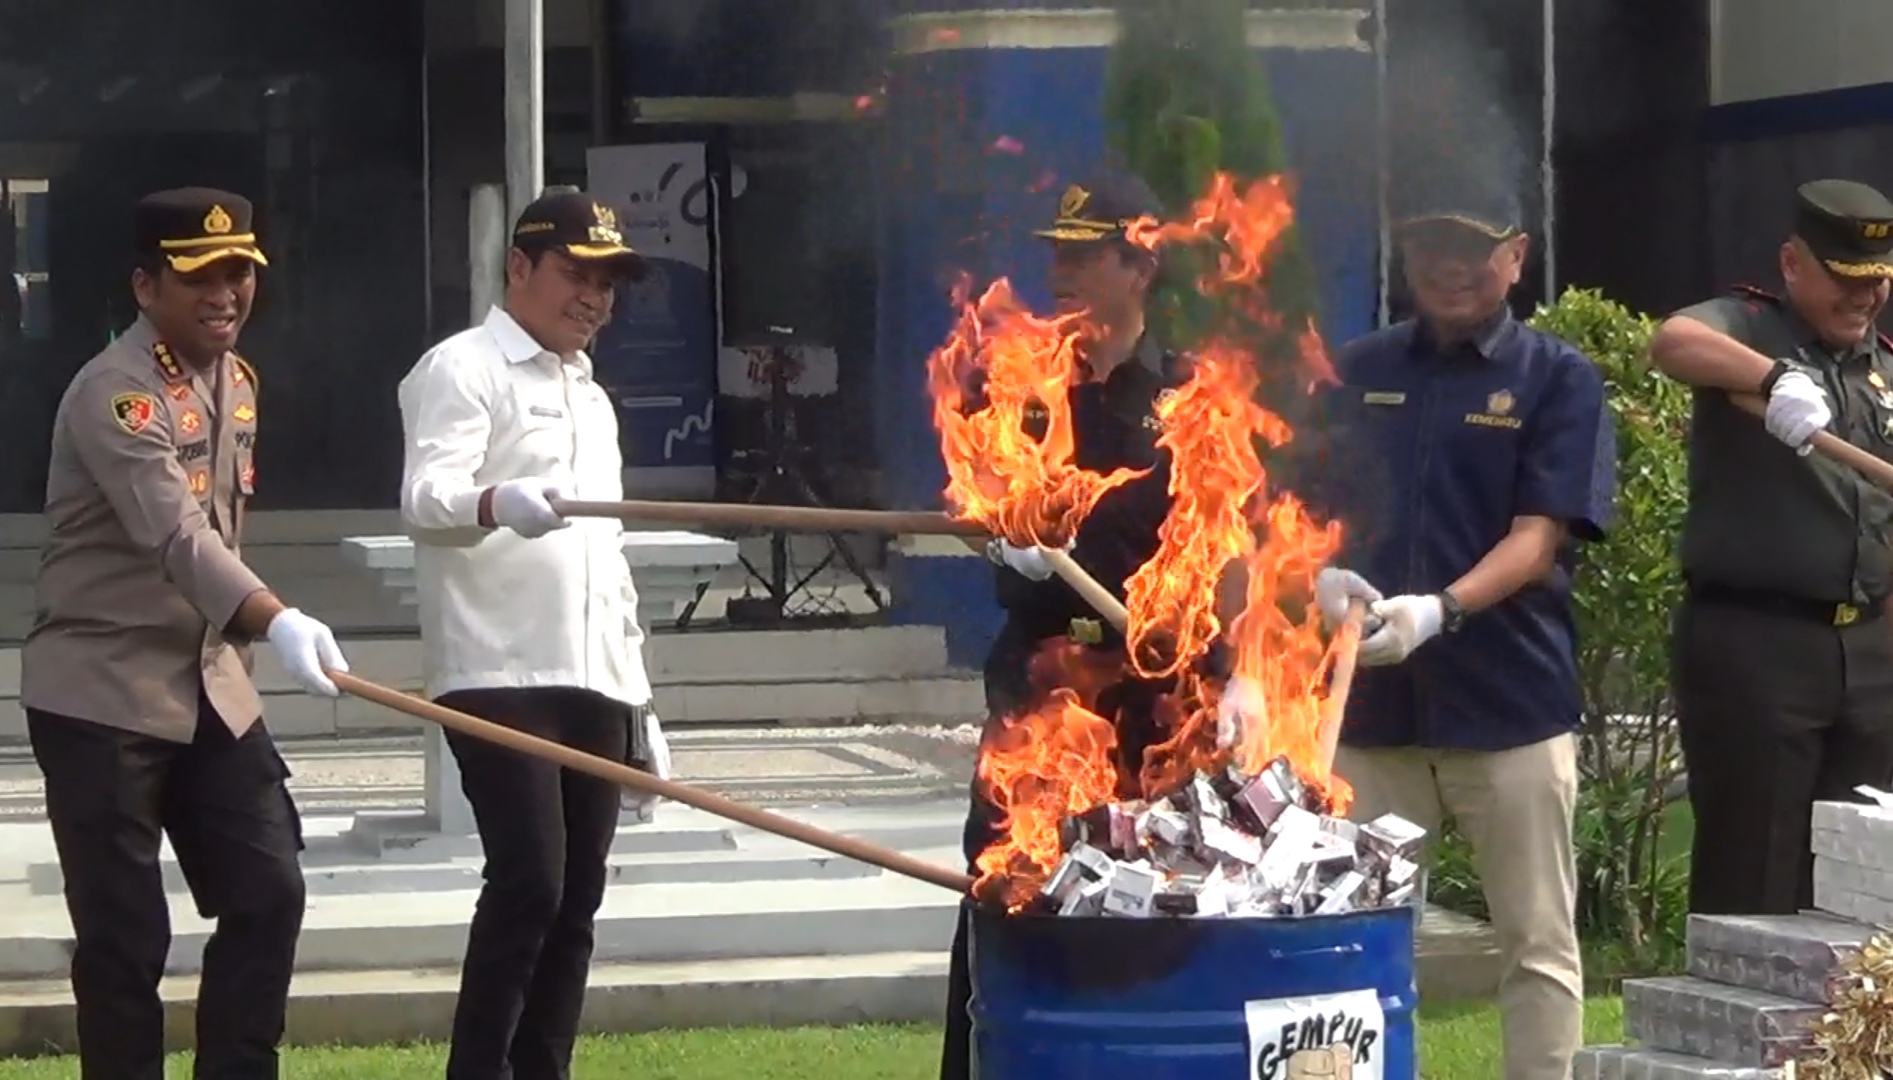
519,346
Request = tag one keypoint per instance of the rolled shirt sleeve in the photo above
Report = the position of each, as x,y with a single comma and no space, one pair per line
121,435
1567,467
1725,314
446,419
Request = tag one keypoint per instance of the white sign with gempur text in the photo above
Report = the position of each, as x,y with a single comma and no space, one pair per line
1320,1037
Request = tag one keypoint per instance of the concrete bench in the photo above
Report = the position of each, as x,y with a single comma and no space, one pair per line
671,570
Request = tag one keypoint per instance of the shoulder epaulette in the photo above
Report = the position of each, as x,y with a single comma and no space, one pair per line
1756,292
245,371
167,361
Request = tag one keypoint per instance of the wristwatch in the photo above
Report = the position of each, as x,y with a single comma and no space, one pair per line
1782,367
1452,615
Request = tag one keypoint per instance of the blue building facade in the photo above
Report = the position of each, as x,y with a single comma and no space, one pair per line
932,135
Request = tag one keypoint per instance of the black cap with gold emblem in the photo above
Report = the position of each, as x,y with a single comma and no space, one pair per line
1101,209
1848,226
190,228
1470,205
581,227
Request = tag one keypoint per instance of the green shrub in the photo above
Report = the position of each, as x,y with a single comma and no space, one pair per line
1631,839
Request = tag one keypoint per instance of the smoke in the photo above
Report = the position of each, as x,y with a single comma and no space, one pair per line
1464,98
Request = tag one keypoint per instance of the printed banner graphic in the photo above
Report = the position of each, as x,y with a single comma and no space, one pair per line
658,356
1324,1037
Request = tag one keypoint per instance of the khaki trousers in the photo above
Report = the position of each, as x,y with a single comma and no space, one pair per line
1516,808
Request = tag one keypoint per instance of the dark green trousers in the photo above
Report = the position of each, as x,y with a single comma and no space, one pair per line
1777,711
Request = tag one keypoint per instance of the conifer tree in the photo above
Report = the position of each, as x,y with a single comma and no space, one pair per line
1185,98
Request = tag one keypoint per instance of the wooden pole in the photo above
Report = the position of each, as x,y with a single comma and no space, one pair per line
1088,589
815,519
808,519
1831,446
1347,646
626,776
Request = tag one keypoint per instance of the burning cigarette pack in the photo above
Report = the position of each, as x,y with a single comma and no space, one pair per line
1232,845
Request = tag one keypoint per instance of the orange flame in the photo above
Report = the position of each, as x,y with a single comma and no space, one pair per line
1059,759
999,364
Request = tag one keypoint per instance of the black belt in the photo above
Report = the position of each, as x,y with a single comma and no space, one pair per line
1831,612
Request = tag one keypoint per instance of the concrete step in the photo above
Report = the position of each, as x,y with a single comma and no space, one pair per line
363,1008
1729,1024
802,677
394,1004
671,922
671,659
1789,955
1636,1063
679,830
720,868
818,701
397,853
676,922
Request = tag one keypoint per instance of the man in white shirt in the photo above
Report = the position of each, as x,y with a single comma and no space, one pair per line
530,620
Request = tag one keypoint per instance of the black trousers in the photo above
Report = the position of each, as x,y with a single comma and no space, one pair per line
1009,689
1776,712
547,833
111,797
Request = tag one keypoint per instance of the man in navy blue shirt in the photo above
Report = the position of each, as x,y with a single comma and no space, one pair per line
1478,450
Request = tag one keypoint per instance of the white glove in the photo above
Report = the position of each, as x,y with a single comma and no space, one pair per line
525,506
1406,623
1796,410
644,804
1238,710
306,647
1335,589
1027,561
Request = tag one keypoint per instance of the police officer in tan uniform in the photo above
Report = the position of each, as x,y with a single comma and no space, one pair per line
135,676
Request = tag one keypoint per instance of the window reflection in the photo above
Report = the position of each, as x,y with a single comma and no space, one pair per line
313,111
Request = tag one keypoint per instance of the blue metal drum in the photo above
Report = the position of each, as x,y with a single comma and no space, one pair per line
1318,998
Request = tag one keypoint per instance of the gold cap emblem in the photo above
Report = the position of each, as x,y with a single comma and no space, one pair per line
604,228
217,222
1500,403
1073,201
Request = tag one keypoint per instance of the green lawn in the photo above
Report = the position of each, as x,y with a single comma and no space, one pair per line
1456,1043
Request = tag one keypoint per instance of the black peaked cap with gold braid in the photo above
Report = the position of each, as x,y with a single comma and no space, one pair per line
583,228
190,228
1100,209
1848,226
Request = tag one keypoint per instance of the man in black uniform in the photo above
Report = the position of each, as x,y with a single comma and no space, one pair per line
1783,667
1095,269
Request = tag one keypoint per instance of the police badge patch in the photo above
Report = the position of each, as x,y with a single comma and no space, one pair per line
133,412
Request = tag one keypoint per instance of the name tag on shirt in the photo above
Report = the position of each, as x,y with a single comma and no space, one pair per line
547,411
1384,397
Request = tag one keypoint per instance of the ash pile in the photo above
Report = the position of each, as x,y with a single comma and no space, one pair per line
1232,846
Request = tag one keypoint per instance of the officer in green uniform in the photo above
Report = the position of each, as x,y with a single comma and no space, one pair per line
1783,667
